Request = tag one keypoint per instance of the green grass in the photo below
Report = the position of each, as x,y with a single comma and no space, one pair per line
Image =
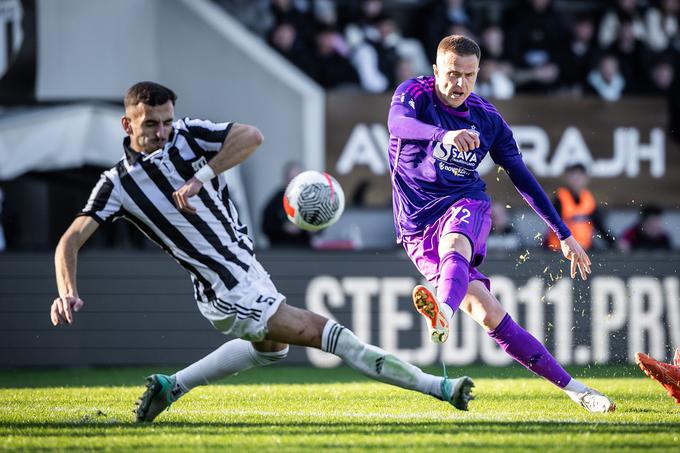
294,409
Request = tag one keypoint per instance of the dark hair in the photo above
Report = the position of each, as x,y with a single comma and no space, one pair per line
460,45
576,167
149,93
650,210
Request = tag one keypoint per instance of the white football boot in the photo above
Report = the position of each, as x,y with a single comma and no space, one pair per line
594,401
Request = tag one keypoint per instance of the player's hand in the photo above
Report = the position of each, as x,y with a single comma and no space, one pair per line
182,195
573,251
463,139
63,308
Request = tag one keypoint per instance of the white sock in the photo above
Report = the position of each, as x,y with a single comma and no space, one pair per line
230,358
447,311
573,388
377,363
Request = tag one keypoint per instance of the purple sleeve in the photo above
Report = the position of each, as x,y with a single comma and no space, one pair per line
403,121
505,153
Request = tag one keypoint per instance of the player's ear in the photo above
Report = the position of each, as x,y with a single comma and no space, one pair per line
435,71
125,122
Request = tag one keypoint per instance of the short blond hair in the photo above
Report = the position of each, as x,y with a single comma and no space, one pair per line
459,45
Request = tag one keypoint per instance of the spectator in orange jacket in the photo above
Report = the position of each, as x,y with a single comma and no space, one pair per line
578,207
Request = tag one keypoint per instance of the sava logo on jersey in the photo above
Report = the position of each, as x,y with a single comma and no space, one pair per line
459,163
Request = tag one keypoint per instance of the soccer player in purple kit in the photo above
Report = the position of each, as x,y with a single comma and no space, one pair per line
439,133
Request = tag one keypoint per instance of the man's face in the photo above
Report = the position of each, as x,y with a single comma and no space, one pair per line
148,126
455,77
577,180
653,226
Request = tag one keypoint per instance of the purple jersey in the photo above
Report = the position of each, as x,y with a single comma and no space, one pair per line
428,176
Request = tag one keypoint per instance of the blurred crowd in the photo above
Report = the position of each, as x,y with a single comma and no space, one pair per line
608,48
605,48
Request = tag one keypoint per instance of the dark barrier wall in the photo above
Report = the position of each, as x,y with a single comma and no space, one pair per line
139,308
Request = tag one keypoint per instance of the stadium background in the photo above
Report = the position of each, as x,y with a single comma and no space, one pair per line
66,65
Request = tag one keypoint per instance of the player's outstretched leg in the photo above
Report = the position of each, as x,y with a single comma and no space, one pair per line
295,326
664,373
230,358
526,349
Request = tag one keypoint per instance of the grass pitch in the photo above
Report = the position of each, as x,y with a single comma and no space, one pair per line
296,409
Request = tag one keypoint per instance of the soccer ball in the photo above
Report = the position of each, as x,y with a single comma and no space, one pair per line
313,200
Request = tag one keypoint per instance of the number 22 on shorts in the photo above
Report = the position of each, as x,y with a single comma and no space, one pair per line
461,210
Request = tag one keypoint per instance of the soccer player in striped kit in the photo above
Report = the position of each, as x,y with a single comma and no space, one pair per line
439,133
169,183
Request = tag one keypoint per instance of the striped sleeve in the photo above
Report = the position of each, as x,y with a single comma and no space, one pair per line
403,119
207,134
104,201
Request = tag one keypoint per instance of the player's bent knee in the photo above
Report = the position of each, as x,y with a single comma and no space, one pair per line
312,330
455,242
267,358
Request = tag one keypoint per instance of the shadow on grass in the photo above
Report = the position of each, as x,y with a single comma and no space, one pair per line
332,427
125,376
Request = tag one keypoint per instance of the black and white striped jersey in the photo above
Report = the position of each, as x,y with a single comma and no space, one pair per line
212,244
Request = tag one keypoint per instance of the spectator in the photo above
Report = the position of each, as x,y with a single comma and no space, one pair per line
333,68
380,60
406,48
441,15
361,25
662,25
606,79
621,12
535,40
375,62
578,55
633,57
326,12
662,75
503,235
578,207
288,11
648,233
496,71
283,37
280,231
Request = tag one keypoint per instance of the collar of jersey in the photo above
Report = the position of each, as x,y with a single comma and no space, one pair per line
461,113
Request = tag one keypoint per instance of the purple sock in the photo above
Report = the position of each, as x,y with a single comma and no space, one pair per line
527,350
454,276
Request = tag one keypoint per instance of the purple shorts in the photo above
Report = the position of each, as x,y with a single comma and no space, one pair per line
466,216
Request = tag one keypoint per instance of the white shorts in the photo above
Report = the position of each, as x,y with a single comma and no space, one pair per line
245,310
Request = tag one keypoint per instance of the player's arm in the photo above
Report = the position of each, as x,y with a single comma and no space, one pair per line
505,152
239,143
403,123
66,263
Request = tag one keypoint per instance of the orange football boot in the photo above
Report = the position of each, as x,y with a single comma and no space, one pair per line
664,373
427,305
